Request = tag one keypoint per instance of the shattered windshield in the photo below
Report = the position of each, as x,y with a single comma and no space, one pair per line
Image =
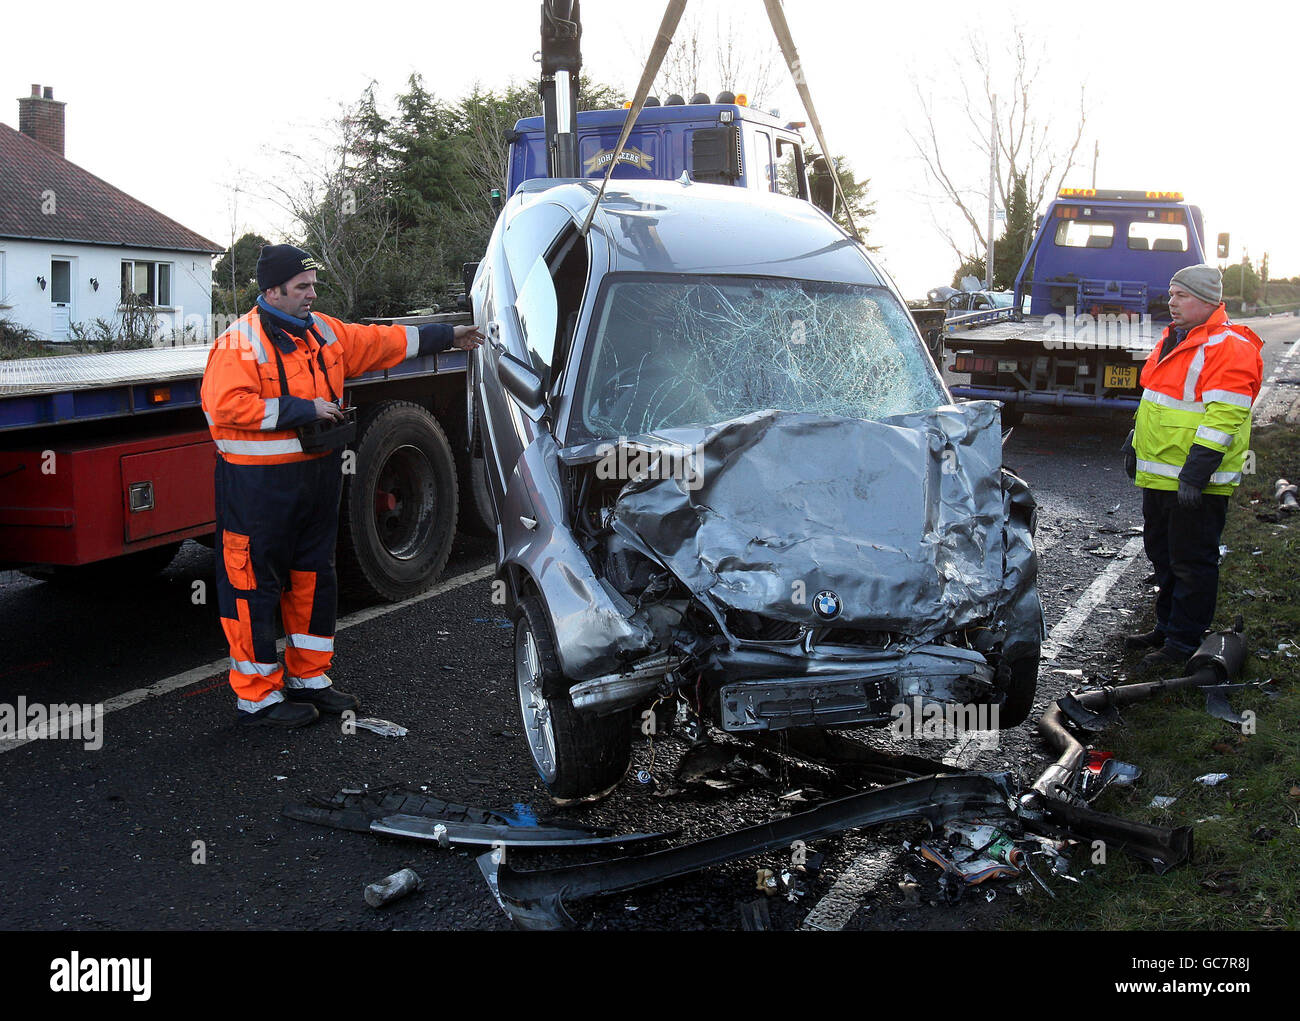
670,351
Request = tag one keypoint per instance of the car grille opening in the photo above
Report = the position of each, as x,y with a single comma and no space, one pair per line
755,627
857,638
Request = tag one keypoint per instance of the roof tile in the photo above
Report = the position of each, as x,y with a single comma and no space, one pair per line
87,209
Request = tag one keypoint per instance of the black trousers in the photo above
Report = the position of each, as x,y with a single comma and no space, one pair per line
276,530
1183,546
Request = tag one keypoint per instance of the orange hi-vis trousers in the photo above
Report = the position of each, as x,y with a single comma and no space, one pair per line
276,530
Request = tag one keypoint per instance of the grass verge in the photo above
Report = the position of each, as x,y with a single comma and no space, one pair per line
1247,828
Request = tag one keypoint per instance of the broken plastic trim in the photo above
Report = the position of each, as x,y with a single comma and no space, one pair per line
536,900
403,814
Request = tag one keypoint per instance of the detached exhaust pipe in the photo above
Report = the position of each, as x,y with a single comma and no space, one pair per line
1218,660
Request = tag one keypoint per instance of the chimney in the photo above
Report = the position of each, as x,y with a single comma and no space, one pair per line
41,117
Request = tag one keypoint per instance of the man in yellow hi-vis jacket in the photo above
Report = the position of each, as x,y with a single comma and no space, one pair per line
1190,442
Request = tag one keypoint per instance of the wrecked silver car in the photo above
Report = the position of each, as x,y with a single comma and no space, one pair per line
726,474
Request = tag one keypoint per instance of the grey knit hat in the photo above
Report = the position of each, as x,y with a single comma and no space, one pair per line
1204,282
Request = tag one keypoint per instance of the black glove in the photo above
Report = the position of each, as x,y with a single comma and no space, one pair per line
1130,457
1201,463
1189,497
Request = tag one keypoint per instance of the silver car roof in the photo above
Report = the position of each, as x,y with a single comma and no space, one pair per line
676,227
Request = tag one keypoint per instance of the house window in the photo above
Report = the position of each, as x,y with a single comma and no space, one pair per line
151,281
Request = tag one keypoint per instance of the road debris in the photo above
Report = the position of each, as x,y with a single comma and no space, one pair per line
419,817
1285,494
1212,779
1162,801
394,887
384,728
537,900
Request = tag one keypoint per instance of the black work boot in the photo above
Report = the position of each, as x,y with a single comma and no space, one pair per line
327,700
282,714
1150,640
1167,659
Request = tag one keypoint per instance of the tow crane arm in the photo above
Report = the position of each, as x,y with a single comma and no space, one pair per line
561,56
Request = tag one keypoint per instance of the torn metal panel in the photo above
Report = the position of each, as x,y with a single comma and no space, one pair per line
593,634
901,519
536,900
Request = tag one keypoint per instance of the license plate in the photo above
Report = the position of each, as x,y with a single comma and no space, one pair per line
1120,377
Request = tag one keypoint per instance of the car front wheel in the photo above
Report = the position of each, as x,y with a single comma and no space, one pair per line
576,755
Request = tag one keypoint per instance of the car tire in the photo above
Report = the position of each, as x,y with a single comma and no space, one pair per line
398,551
1021,686
577,755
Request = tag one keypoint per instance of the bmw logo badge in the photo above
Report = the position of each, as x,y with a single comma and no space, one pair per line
826,604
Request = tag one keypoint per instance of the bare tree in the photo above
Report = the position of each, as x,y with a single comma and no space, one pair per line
337,200
704,61
1035,145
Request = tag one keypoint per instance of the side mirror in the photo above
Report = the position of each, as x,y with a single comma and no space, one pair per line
523,384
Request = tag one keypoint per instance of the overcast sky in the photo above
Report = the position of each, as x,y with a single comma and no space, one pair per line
178,104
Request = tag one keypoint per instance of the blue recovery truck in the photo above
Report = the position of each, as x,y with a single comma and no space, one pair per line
1091,300
724,142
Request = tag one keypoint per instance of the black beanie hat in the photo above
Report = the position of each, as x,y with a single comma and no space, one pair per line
278,263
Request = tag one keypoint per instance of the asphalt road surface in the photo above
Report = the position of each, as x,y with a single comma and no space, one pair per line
174,823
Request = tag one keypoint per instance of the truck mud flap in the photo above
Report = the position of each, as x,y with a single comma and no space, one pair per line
536,900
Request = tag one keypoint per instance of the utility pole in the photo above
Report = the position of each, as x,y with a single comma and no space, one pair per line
993,180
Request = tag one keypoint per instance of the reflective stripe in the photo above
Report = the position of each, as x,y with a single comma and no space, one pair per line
1227,397
1172,471
263,448
1218,338
1204,432
1156,397
299,641
412,341
1194,374
246,330
244,666
245,706
320,681
272,414
325,330
209,418
1169,471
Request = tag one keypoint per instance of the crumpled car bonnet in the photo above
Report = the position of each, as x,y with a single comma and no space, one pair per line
901,518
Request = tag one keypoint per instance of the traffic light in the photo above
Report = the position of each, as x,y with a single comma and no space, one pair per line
1223,246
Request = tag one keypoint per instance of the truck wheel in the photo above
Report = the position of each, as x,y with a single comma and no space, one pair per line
137,568
1020,689
576,755
477,516
398,517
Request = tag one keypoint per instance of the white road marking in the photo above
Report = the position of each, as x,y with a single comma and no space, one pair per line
1274,376
201,673
1078,614
842,900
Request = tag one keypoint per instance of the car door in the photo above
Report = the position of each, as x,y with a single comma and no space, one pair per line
519,315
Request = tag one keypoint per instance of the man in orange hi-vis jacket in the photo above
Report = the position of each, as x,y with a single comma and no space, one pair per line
277,369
